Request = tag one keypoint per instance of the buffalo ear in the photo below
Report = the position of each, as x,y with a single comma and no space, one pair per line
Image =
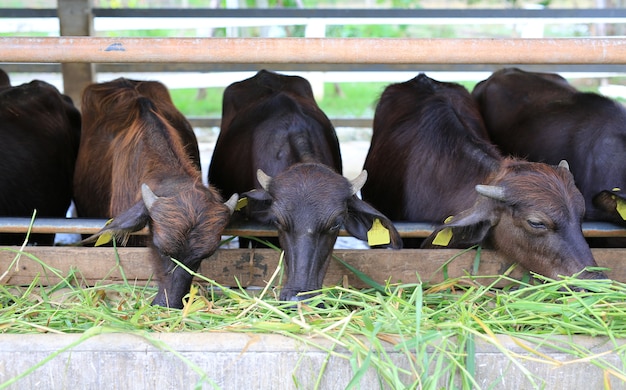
259,205
120,227
465,229
361,217
612,202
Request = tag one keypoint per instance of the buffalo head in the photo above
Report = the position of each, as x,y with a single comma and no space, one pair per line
185,224
309,203
532,214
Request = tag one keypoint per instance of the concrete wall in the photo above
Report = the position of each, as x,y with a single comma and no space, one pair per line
250,361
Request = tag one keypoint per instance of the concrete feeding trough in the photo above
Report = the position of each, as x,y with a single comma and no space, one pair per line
139,360
268,361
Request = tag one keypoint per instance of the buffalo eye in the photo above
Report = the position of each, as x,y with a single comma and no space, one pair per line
536,224
335,227
281,225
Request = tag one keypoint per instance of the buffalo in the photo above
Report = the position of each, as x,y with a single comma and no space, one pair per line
139,164
430,160
40,133
278,149
541,117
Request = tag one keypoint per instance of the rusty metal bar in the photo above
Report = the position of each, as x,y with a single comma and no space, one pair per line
315,50
584,14
91,226
511,15
52,225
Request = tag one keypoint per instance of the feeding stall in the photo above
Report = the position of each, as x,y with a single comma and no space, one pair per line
111,357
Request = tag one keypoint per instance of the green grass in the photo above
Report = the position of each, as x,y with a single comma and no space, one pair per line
190,103
434,328
340,100
357,100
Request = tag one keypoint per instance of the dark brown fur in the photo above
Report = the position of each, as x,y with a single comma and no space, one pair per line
39,132
272,122
429,150
540,117
423,130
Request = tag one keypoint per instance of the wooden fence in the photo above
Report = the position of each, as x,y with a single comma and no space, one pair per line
315,50
79,18
249,267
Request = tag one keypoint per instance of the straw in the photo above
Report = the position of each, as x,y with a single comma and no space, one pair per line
435,329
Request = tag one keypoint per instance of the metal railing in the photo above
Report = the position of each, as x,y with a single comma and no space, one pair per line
91,226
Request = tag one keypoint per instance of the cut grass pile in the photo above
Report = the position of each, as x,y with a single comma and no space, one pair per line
434,328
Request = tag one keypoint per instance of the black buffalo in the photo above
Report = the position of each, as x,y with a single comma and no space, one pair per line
430,161
278,147
39,133
541,117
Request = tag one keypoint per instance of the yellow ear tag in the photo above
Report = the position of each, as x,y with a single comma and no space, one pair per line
105,238
444,236
621,208
378,234
241,203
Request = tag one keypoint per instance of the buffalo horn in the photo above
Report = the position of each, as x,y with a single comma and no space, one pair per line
264,179
148,196
232,203
493,192
564,164
358,182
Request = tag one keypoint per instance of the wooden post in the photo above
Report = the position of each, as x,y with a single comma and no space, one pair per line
76,19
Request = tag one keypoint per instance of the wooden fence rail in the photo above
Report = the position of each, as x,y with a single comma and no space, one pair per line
333,52
80,17
314,50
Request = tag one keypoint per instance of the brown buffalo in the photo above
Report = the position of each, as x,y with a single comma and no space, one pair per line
139,163
541,117
40,133
430,161
276,141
